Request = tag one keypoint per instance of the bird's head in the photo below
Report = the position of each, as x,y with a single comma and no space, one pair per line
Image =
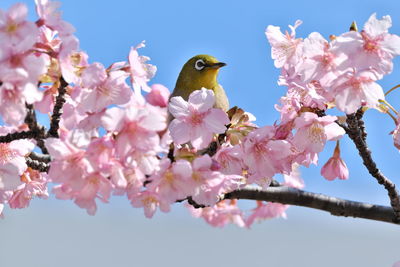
200,71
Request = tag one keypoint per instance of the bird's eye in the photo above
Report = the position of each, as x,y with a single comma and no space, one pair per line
199,65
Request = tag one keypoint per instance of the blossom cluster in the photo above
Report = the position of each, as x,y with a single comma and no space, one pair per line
115,135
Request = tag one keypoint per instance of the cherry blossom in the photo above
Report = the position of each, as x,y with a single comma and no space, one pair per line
284,47
209,185
221,214
313,132
373,48
12,162
266,211
355,89
196,120
265,156
173,181
141,72
102,89
15,30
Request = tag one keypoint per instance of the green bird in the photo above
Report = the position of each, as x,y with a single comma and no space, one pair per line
201,71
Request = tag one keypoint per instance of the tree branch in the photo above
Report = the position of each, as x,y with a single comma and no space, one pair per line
335,206
31,121
357,134
18,135
55,117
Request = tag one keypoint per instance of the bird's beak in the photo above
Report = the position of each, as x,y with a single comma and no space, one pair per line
216,65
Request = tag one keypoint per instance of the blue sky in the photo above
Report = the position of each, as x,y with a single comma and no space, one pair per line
233,31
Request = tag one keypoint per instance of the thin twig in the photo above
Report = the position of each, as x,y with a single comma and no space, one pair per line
57,111
335,206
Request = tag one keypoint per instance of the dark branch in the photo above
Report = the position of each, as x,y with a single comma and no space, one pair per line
57,111
37,165
18,135
335,206
40,157
31,121
357,133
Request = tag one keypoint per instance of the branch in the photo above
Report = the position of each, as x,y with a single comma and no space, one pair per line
357,133
40,157
37,165
18,135
335,206
31,121
55,117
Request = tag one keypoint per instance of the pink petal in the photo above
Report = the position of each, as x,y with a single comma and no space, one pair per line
178,107
202,99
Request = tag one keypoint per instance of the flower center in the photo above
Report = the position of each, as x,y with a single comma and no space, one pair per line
196,118
169,177
370,45
6,154
12,27
316,133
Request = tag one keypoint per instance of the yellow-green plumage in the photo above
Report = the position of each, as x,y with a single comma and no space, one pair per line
192,77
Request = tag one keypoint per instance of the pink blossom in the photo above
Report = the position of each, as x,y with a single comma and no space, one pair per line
101,153
141,72
15,30
102,89
374,47
285,48
355,89
266,211
94,186
335,167
71,60
173,181
265,156
293,179
137,139
209,185
12,162
313,132
230,159
35,185
158,96
220,214
69,164
150,201
196,120
49,16
320,62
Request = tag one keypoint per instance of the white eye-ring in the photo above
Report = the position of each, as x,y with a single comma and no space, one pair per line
199,65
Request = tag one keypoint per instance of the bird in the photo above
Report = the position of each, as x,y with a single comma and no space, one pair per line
198,72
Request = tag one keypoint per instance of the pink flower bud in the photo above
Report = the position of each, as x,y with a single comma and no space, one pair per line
335,167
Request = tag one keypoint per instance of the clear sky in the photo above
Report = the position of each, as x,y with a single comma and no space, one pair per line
232,31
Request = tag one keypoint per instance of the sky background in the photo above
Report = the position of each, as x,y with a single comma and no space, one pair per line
58,233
